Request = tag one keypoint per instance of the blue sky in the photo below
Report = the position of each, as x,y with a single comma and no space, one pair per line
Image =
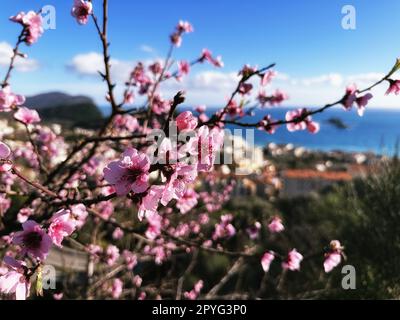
315,56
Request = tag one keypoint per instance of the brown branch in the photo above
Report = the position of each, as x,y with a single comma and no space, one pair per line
188,270
106,56
36,185
116,138
178,99
208,249
35,149
231,272
87,202
235,92
13,57
156,84
216,119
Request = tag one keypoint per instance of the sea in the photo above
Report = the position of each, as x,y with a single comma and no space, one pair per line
377,131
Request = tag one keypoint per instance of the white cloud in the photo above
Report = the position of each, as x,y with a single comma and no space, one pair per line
214,79
214,87
146,48
89,64
21,64
365,78
333,79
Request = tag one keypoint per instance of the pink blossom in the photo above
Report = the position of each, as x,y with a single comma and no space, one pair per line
142,296
267,77
278,97
130,173
32,22
187,201
233,109
266,260
262,98
130,259
79,212
9,100
27,116
129,97
247,71
116,289
160,252
24,214
224,229
198,286
195,227
332,259
276,225
194,293
126,122
112,255
206,55
204,218
33,240
184,26
203,117
159,105
300,120
58,296
14,280
117,234
350,96
137,281
177,182
334,256
106,209
81,10
292,261
245,88
209,142
155,68
394,87
208,243
266,124
154,228
62,225
183,69
139,78
253,231
150,202
186,121
5,153
313,127
362,103
94,250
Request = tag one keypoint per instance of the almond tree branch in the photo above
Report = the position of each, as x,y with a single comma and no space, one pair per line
13,57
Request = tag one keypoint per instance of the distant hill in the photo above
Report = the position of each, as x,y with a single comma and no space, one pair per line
73,110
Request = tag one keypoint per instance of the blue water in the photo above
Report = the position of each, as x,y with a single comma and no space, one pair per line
377,131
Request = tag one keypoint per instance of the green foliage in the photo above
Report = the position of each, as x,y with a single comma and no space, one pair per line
365,217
